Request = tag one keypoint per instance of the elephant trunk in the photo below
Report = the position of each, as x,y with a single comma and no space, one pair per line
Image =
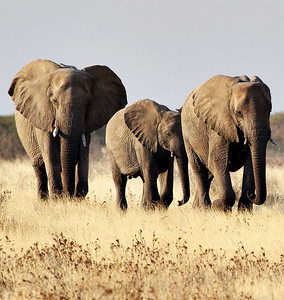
182,163
258,154
71,128
69,158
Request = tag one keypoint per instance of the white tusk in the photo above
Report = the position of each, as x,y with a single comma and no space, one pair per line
55,131
172,154
245,142
84,140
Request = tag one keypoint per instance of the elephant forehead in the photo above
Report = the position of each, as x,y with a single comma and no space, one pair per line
173,126
172,117
248,90
70,77
252,95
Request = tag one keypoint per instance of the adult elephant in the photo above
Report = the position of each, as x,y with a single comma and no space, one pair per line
142,140
225,125
57,108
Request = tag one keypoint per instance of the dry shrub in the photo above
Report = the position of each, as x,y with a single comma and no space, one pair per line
66,270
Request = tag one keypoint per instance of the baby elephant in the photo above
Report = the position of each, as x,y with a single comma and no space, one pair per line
142,140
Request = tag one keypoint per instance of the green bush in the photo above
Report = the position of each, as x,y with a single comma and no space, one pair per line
277,132
10,145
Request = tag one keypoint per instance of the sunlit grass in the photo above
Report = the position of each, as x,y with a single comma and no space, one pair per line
88,249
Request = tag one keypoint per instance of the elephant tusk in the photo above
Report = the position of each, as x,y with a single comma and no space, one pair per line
245,142
172,154
55,131
84,140
272,141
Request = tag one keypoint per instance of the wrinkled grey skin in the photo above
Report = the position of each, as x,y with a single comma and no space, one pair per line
57,108
142,140
225,125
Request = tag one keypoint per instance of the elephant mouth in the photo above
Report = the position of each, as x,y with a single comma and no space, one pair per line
56,132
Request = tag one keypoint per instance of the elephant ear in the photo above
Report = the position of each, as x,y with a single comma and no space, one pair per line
143,118
109,96
29,92
211,103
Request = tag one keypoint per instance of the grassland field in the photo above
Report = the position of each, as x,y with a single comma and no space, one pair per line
71,249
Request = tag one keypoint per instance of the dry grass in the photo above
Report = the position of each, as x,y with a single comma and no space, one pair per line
89,250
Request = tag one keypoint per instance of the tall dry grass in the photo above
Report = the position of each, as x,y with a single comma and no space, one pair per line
89,250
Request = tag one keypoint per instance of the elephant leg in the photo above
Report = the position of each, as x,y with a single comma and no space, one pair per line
203,180
226,193
51,156
42,185
225,190
120,184
248,186
120,181
219,167
150,172
29,139
150,196
82,186
54,179
166,185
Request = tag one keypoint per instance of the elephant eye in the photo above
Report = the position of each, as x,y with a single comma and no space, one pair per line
239,113
168,135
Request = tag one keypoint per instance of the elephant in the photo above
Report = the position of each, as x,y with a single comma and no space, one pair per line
142,140
57,108
225,124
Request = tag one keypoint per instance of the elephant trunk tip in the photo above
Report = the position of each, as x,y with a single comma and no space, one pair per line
183,201
256,200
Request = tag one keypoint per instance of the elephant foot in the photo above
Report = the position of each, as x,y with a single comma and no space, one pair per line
81,194
195,202
203,204
121,202
245,206
43,195
56,196
149,207
221,206
81,190
165,201
152,205
123,206
162,206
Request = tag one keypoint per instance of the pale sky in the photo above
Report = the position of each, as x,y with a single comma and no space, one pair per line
160,49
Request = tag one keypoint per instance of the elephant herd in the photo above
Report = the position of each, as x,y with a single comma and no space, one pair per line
222,126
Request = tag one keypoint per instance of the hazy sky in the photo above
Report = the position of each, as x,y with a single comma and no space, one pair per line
160,49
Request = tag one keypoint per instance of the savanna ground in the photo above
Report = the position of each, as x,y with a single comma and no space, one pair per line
89,250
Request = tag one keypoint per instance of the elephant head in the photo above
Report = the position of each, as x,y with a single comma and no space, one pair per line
69,102
238,109
156,127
